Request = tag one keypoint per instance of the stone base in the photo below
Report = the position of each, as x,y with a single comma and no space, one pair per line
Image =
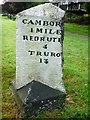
35,96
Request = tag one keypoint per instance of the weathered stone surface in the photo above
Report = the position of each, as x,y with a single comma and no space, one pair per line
39,46
36,96
44,10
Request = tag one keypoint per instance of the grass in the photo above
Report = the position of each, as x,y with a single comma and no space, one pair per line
74,28
75,74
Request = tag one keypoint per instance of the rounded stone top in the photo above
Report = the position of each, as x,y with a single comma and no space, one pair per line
44,10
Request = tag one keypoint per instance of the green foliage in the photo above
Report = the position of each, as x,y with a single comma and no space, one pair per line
78,19
77,12
75,74
16,7
87,6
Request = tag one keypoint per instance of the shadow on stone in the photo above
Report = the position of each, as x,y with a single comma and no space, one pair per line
35,97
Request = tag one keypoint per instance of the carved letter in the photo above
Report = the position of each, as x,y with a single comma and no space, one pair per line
46,53
38,22
52,54
58,54
31,22
58,23
36,38
25,37
39,30
24,21
46,61
39,53
45,23
52,23
31,52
